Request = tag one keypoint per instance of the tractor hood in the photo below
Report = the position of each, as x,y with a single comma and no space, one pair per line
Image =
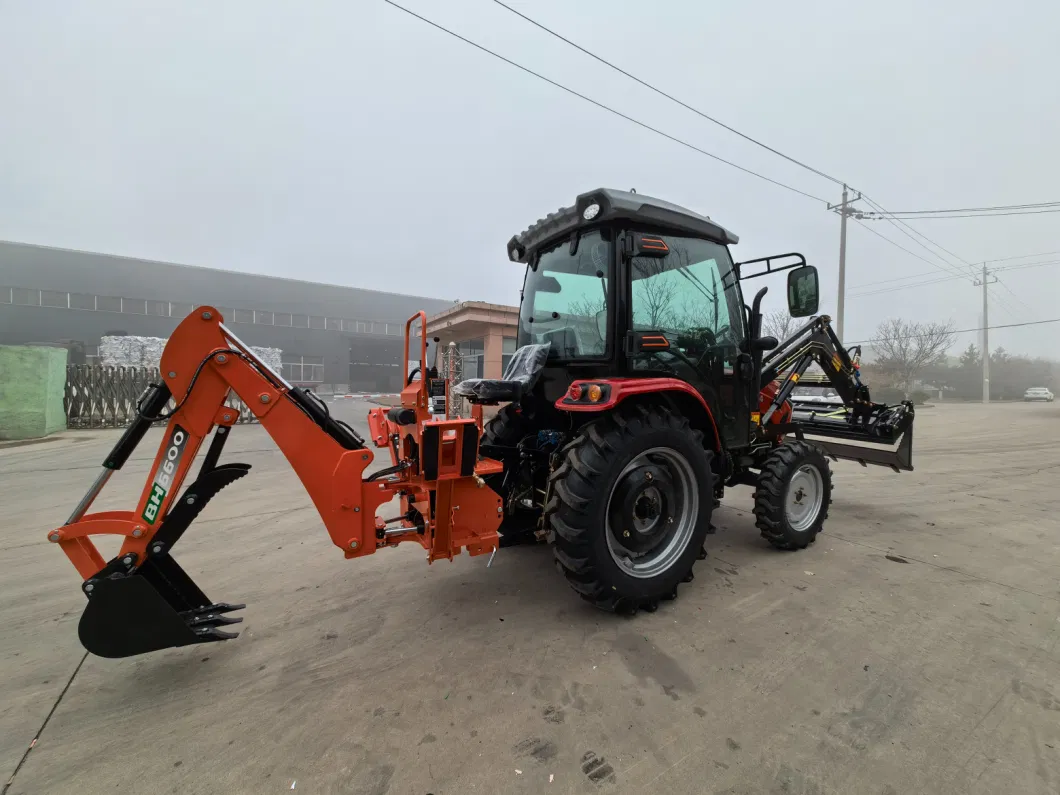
603,205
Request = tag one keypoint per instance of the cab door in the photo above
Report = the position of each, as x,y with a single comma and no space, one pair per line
685,320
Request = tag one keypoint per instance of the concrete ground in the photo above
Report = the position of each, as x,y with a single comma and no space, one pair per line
912,649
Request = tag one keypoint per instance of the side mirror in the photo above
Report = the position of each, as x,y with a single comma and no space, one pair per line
803,291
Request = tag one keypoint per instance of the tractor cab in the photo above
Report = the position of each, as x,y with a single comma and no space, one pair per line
627,287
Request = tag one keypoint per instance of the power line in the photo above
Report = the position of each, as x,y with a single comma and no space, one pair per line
911,253
1027,265
670,97
948,267
904,226
902,279
900,287
976,209
969,215
1023,256
921,275
1010,292
601,105
956,331
720,123
1003,302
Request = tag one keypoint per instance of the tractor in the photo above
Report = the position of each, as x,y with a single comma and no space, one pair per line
642,388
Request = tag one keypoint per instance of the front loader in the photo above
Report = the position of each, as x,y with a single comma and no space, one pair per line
640,391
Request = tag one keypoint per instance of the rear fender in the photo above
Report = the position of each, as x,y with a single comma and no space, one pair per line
677,394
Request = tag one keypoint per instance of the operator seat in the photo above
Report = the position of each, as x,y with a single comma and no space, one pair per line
518,379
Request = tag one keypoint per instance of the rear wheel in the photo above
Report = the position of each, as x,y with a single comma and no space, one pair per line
630,508
793,494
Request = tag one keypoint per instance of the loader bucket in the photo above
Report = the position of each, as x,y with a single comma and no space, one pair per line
152,607
882,438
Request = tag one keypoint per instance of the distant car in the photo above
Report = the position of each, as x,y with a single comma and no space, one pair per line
1038,393
816,394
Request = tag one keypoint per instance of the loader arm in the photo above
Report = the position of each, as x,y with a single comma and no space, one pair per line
860,430
142,600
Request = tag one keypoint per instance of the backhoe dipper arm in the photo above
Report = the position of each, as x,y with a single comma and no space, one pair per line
142,600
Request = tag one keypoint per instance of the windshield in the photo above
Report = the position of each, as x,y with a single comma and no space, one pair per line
565,298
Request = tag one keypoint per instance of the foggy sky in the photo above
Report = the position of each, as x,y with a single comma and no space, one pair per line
350,143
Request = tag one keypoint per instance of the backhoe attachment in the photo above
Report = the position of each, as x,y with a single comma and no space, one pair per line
142,600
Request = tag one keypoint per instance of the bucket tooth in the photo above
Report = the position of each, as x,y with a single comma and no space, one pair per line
211,619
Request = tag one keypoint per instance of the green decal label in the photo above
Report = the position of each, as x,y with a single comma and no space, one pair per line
163,479
154,503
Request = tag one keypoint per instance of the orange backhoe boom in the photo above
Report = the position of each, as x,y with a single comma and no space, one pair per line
142,600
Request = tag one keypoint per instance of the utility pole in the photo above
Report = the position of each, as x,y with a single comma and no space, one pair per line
843,208
985,281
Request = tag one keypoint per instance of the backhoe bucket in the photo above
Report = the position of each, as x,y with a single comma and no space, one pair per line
132,610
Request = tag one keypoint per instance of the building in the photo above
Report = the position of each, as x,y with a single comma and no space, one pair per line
484,335
332,337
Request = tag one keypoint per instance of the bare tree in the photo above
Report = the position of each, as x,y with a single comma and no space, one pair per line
903,348
653,294
779,324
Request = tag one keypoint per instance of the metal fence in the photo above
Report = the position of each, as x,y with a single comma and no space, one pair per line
97,396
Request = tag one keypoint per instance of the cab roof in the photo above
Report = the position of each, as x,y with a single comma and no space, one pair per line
615,205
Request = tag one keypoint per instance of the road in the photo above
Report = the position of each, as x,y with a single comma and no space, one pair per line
913,648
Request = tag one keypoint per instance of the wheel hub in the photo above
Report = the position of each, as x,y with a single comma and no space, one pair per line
805,497
641,513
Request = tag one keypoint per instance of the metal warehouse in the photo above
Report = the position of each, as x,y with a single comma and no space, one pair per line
332,337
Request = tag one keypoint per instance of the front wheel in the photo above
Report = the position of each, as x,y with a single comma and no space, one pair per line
630,508
793,494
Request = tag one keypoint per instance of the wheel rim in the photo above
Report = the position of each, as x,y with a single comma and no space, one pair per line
805,495
652,512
